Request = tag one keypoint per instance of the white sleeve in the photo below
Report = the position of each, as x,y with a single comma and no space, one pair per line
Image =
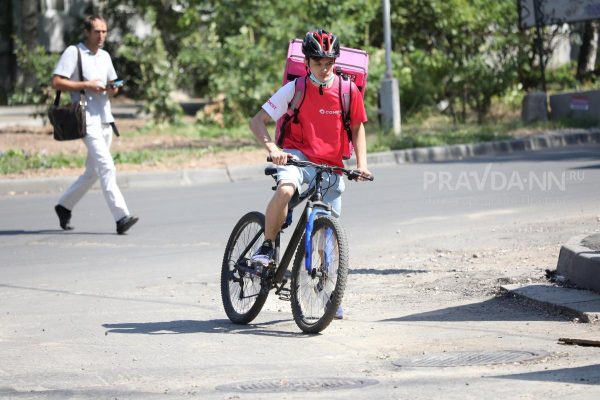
277,105
67,64
112,74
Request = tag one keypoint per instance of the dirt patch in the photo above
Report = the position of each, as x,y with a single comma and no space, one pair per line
39,140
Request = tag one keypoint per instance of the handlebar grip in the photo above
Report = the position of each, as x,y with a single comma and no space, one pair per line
355,175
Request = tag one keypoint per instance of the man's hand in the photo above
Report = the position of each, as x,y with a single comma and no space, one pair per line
112,91
364,172
95,85
279,157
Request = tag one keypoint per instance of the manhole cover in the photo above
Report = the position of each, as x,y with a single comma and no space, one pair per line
297,385
467,358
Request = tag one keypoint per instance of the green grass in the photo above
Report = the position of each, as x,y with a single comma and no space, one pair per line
15,161
192,130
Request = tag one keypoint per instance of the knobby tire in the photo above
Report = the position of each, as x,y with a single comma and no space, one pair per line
242,293
316,299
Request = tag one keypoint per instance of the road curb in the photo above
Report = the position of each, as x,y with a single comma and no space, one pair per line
575,303
561,138
579,264
554,139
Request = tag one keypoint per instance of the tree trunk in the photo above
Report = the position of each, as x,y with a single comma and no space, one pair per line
7,58
587,52
29,33
29,23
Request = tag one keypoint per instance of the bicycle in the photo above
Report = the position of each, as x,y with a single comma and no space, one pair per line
317,281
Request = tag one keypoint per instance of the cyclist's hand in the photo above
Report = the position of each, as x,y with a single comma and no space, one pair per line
364,174
279,157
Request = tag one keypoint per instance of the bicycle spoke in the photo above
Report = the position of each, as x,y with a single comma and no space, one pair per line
241,291
317,293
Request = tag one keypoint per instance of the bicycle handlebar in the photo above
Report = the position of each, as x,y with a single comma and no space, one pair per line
350,173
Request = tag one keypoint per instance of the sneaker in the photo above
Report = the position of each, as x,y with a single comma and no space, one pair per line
339,313
125,223
64,217
264,255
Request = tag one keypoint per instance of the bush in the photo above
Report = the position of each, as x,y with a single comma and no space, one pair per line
37,66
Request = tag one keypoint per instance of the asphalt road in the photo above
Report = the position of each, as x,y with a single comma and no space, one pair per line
90,314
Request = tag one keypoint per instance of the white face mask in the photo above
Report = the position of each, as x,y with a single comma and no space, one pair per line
318,81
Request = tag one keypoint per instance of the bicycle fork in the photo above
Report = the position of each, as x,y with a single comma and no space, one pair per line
313,214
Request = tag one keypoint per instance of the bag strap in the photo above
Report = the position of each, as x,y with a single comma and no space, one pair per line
345,92
81,92
298,99
293,106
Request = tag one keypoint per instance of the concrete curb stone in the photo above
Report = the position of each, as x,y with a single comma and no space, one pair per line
579,264
576,303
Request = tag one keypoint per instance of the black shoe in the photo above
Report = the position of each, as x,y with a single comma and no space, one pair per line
265,254
64,217
125,223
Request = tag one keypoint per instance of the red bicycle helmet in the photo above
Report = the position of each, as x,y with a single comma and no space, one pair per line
321,43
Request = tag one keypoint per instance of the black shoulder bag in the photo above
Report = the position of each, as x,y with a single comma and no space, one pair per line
69,121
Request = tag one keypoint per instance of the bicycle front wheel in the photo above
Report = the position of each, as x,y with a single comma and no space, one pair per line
317,294
242,292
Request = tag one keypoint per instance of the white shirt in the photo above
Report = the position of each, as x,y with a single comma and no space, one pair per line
277,105
94,66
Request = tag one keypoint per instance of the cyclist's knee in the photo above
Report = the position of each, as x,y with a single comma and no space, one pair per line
286,190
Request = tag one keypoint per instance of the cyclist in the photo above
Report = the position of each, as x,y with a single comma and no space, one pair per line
319,135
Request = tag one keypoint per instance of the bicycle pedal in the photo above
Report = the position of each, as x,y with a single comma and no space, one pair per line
285,296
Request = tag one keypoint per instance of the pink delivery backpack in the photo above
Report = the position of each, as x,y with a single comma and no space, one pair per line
351,66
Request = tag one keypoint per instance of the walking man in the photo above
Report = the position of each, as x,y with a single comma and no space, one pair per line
97,82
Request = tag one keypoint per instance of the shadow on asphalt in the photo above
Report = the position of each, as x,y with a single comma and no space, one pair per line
592,166
588,375
192,326
503,308
50,232
387,271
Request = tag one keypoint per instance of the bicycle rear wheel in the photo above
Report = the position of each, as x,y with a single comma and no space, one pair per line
242,292
316,295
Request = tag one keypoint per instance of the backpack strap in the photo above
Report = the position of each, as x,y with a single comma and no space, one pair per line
345,92
293,106
298,99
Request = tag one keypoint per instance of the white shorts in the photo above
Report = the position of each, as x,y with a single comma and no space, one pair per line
333,184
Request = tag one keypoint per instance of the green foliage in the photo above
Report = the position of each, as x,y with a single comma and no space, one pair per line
247,43
37,66
458,51
463,53
15,161
155,78
563,78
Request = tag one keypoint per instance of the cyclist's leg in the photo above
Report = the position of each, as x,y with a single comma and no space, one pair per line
288,180
277,208
333,195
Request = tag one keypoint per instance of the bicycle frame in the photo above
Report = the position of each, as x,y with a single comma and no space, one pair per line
314,207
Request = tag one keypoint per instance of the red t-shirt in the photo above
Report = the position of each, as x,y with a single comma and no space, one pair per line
320,133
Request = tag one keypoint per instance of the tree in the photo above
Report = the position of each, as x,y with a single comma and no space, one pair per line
587,51
457,51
